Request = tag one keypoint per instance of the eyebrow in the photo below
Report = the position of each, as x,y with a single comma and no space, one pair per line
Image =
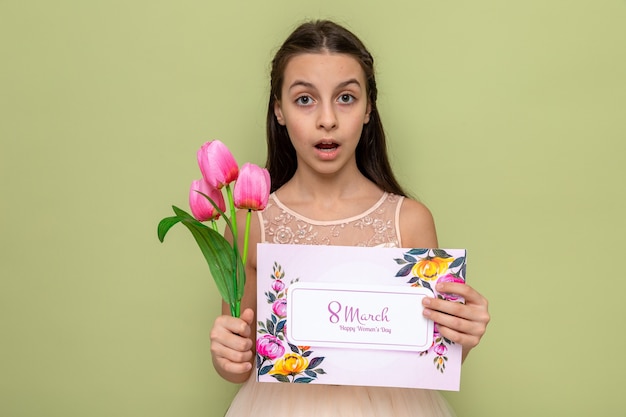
310,85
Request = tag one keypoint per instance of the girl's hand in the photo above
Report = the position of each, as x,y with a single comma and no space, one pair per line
231,346
464,324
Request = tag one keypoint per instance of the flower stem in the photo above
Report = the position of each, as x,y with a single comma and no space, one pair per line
246,236
233,217
235,302
235,308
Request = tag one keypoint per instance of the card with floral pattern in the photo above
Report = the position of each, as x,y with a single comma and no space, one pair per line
352,316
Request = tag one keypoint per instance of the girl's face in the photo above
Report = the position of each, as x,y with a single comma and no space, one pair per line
324,106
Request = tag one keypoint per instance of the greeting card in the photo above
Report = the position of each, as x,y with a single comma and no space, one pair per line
353,316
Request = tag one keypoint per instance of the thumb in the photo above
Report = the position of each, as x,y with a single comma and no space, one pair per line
247,316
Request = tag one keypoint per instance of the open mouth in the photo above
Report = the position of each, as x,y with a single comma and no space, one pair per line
327,146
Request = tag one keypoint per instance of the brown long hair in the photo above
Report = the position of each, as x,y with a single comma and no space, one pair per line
371,152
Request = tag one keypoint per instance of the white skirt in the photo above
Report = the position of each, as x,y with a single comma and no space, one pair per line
263,399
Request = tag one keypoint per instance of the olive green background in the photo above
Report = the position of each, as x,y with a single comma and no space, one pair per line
506,118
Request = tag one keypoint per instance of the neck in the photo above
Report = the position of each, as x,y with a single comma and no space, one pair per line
339,195
327,190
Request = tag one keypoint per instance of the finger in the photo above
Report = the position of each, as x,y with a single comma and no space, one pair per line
463,290
437,309
458,324
234,325
227,348
452,322
248,316
447,307
234,367
457,330
446,317
466,340
233,333
227,356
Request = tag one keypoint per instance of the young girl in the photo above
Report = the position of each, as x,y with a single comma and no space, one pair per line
332,185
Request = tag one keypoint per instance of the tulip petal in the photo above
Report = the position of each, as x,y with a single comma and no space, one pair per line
217,164
252,188
202,209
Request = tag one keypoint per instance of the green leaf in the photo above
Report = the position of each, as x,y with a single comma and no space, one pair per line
184,215
409,258
280,327
441,253
405,270
457,262
165,225
217,252
315,362
265,369
281,378
240,276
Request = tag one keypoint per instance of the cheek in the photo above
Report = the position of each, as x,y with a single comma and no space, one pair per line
356,126
356,117
295,125
296,133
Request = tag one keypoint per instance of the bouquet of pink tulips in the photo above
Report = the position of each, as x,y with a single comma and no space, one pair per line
251,192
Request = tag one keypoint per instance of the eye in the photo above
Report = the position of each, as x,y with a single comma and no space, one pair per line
304,101
346,98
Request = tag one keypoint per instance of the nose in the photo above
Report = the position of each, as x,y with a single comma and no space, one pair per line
327,119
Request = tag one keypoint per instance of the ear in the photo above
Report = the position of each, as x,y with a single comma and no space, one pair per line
279,113
367,113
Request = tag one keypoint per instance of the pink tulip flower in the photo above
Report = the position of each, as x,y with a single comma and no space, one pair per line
252,189
201,208
217,164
